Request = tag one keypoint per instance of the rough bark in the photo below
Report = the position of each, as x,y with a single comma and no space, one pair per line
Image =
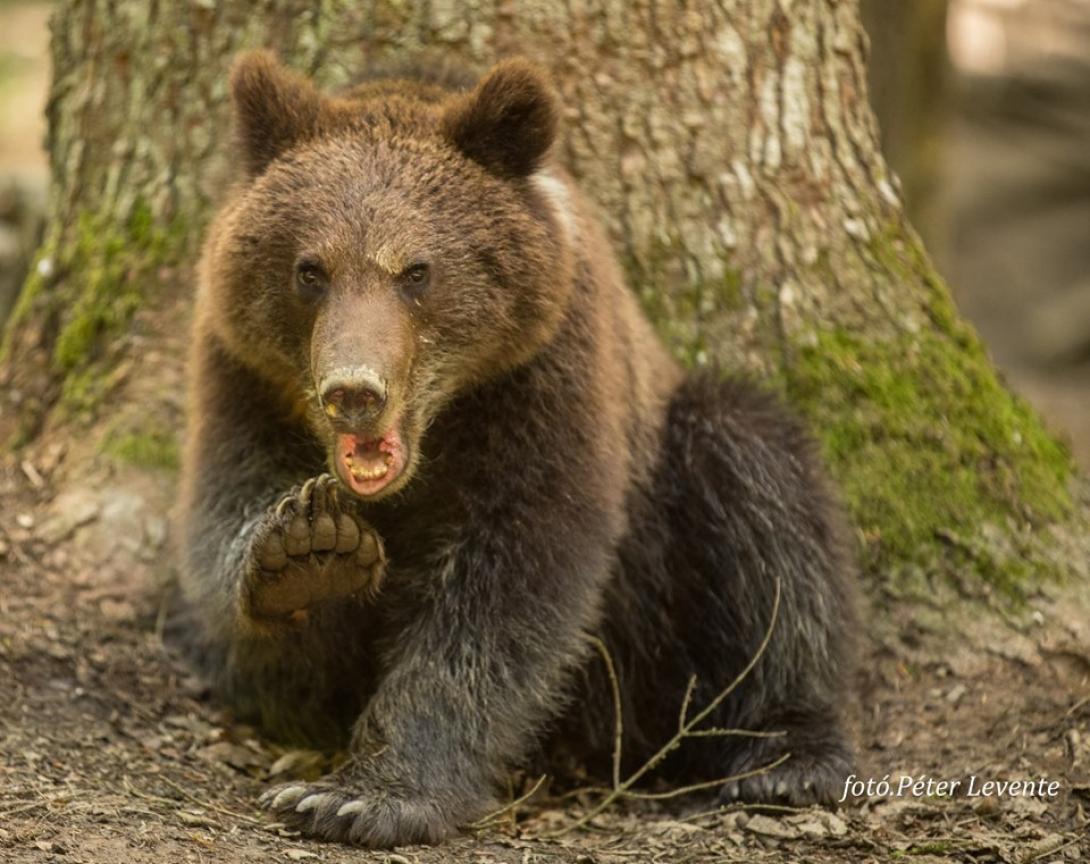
733,153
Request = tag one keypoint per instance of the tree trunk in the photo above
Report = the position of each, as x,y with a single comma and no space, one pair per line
910,91
732,151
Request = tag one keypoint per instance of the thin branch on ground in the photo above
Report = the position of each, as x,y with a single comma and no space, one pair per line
1074,708
207,805
742,806
686,727
718,732
707,784
683,715
1056,849
618,718
493,817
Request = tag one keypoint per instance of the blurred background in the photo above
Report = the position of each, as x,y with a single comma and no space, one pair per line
984,107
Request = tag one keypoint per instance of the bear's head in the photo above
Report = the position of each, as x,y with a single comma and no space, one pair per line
390,249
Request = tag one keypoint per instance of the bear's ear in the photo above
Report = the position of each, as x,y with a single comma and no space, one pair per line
274,108
508,122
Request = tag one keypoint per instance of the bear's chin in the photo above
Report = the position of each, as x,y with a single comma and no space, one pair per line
371,467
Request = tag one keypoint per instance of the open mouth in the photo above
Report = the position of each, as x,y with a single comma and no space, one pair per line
367,466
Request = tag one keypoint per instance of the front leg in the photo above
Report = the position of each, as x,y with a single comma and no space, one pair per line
271,568
479,654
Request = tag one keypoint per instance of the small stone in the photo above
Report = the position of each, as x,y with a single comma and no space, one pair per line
768,827
155,530
120,611
235,755
196,820
837,826
812,829
955,694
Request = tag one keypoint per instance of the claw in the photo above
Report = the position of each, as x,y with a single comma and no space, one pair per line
351,808
318,497
284,504
307,491
311,802
283,798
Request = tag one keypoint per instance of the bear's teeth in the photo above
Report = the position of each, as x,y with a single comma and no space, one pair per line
361,473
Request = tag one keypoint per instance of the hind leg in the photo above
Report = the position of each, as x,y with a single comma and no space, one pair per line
738,505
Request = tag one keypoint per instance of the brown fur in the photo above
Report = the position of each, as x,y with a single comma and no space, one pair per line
564,478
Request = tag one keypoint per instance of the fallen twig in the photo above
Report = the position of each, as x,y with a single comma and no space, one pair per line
493,817
686,727
740,807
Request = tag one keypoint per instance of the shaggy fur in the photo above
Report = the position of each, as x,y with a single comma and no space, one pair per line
562,477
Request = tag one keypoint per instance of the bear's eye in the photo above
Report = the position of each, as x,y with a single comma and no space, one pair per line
414,280
310,279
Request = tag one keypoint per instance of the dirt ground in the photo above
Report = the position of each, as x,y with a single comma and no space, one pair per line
110,751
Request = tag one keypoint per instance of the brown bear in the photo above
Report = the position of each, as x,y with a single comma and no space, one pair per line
434,447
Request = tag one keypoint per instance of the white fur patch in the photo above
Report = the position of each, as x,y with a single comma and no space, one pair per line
387,258
559,200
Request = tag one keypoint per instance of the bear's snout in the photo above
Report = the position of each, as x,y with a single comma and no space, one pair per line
353,398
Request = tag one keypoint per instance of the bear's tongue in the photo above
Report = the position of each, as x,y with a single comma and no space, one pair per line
368,465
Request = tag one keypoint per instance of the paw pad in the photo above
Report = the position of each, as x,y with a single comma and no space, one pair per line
311,547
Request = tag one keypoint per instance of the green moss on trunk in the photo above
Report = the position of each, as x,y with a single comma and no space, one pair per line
936,459
926,442
678,315
86,285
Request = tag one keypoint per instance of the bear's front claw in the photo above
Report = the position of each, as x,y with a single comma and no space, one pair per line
308,548
367,817
281,796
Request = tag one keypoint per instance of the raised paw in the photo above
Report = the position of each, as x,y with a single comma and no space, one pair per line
308,548
354,813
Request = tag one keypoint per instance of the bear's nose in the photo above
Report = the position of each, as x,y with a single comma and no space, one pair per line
353,396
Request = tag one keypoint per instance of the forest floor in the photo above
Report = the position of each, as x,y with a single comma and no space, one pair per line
110,751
